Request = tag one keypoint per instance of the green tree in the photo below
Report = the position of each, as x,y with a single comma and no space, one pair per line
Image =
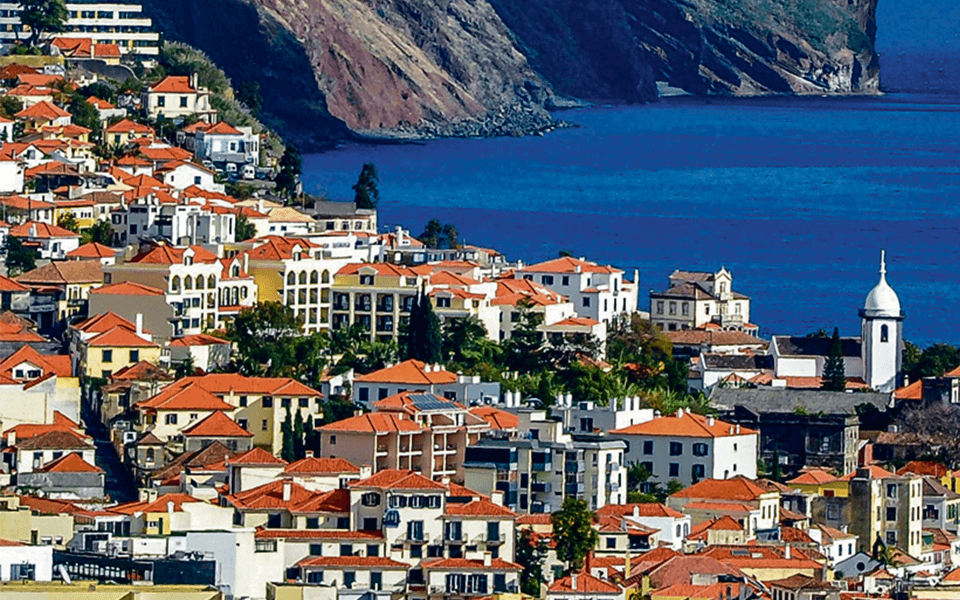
530,554
646,355
68,222
43,16
421,337
85,115
245,229
20,259
337,409
10,106
100,90
311,437
291,166
249,93
573,532
524,347
366,194
299,443
834,376
185,368
933,361
438,236
268,342
465,343
101,233
286,436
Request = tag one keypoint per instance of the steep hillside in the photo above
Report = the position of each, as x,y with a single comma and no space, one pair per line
331,68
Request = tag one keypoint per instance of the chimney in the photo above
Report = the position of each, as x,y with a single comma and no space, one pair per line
559,399
11,438
636,512
194,81
170,506
626,564
400,236
139,324
286,491
737,428
308,454
260,206
786,553
679,413
573,576
487,559
710,421
569,399
246,262
497,498
33,231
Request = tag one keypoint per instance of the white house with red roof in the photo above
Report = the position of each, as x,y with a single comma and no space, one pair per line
689,447
755,508
205,351
175,97
626,527
50,241
324,474
154,214
182,175
414,375
24,562
69,477
598,292
224,143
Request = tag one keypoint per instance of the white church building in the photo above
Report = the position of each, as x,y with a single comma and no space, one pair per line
873,359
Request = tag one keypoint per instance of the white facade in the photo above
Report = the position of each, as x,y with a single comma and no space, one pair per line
186,175
585,417
244,564
104,23
596,292
882,335
11,176
690,448
31,563
181,224
240,146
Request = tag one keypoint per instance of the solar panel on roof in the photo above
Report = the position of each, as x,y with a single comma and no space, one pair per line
430,402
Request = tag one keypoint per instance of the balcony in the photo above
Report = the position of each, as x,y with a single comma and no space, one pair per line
573,466
544,487
542,466
614,487
613,467
575,489
490,541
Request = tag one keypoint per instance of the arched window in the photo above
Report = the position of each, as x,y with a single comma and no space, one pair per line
291,278
175,284
235,271
325,277
884,333
187,283
199,282
303,277
212,282
314,277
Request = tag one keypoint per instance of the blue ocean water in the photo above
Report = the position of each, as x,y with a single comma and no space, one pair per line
795,195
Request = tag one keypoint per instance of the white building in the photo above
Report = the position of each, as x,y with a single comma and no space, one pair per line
103,22
244,564
695,299
411,375
181,175
597,292
175,97
690,447
224,143
153,217
50,241
22,562
882,333
11,176
585,417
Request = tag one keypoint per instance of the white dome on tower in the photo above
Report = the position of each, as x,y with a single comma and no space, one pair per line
882,301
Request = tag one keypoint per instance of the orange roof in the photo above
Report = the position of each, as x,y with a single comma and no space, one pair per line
497,564
56,439
761,557
161,505
119,337
724,523
103,322
165,153
535,519
106,51
141,371
162,254
130,127
585,584
392,479
28,430
43,110
128,288
924,467
9,285
198,339
374,422
320,466
6,542
10,332
30,90
691,591
360,562
188,397
101,104
22,203
812,477
478,508
228,383
914,391
35,229
70,463
318,534
173,84
568,264
217,424
496,418
256,457
687,425
380,269
300,499
738,489
410,372
277,248
875,473
58,364
643,509
576,322
222,128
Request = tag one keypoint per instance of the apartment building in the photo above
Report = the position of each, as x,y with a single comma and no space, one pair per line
102,22
755,508
538,465
415,431
884,506
155,215
516,295
597,292
377,296
413,374
689,447
695,299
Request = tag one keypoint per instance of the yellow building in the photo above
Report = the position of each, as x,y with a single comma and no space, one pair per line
86,590
115,349
74,279
81,209
35,521
377,296
821,483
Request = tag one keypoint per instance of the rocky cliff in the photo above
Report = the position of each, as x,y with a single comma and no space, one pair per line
330,69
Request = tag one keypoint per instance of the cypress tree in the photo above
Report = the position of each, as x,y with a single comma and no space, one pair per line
286,431
834,375
299,443
423,340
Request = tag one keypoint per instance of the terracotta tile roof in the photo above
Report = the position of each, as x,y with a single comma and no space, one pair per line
359,562
335,501
392,479
7,543
497,419
831,534
585,584
456,564
9,285
188,397
100,104
217,424
256,457
792,534
165,153
60,423
761,557
389,269
49,506
58,364
924,467
478,508
721,507
801,582
687,425
128,288
43,110
568,264
689,591
141,371
173,84
455,490
198,339
225,383
119,337
163,254
737,488
320,466
535,519
644,509
345,535
103,322
374,422
18,333
875,473
222,128
92,250
69,463
914,391
270,495
207,459
676,569
22,203
511,292
953,575
57,439
576,322
161,505
37,230
410,372
813,477
724,523
64,272
789,515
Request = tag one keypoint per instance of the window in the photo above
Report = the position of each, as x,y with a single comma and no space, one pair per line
171,419
304,402
659,307
611,542
151,455
183,101
565,280
313,522
676,448
685,309
366,280
267,402
892,537
673,307
315,576
884,333
161,101
700,449
23,571
697,472
108,356
373,550
363,394
891,513
264,426
134,356
586,424
242,423
243,401
346,549
648,447
586,301
333,440
376,579
316,549
674,469
416,551
891,490
370,499
547,279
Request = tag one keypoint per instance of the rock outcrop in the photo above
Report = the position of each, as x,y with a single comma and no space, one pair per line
332,69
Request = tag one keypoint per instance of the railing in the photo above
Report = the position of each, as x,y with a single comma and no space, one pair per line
573,465
541,486
575,488
542,466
